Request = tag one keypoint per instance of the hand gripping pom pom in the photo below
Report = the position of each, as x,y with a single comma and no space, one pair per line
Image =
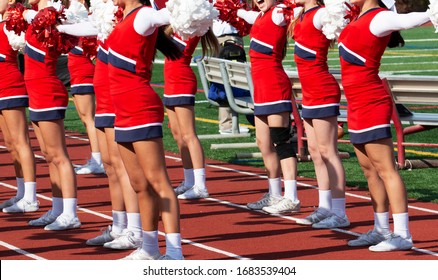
433,14
228,13
89,46
191,18
103,17
76,13
288,9
353,11
15,20
336,18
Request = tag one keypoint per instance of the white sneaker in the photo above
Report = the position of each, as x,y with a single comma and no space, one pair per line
44,220
169,258
106,236
393,243
333,221
126,240
369,238
139,254
64,222
90,168
265,201
11,201
283,206
22,206
194,193
242,129
182,188
317,216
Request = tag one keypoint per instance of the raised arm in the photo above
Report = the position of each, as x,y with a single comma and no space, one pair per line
248,16
386,22
148,19
79,29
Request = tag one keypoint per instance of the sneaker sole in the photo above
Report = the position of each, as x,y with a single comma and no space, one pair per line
67,228
326,227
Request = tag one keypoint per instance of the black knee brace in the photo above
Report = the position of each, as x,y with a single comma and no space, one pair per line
284,142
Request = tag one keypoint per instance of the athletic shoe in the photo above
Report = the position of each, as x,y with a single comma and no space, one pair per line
106,236
370,238
333,221
139,254
169,258
22,206
283,206
242,129
317,216
265,201
393,242
64,222
126,240
11,201
44,220
92,167
194,193
182,188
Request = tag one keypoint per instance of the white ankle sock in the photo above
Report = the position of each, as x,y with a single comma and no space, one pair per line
381,223
189,177
199,178
134,224
120,221
274,186
325,199
150,243
173,245
96,157
20,188
70,207
30,191
290,190
401,225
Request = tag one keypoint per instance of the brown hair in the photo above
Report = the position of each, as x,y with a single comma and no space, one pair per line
209,42
290,29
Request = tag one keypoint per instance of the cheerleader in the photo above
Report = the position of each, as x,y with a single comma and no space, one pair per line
13,122
371,135
321,97
272,106
180,87
48,100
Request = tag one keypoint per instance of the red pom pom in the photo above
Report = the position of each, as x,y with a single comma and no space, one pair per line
288,11
89,45
44,26
15,20
228,12
352,13
118,15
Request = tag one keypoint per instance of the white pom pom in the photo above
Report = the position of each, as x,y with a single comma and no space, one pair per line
102,17
17,42
76,13
191,18
433,14
55,4
334,22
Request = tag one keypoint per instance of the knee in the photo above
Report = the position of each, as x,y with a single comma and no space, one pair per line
284,142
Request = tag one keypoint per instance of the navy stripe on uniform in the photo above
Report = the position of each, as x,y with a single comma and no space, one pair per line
369,136
139,134
2,57
260,47
14,102
81,89
76,50
270,109
32,53
102,56
120,63
179,43
320,113
350,57
104,121
49,115
178,101
303,53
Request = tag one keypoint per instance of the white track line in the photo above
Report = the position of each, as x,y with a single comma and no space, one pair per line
20,251
243,207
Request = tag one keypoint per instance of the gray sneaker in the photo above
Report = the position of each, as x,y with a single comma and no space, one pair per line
64,222
126,240
182,188
22,206
194,193
317,216
393,243
169,258
265,201
106,236
369,238
11,201
44,220
285,205
333,222
139,254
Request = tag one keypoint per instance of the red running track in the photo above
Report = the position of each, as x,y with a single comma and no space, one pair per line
219,227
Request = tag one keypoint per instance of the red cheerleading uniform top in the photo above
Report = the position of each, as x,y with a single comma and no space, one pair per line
48,97
12,88
272,87
369,105
139,109
180,84
81,70
321,93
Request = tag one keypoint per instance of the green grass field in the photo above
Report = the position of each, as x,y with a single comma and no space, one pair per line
418,57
